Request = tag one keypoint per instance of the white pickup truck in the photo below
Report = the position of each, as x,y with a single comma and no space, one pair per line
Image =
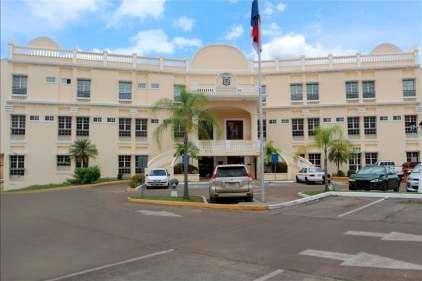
398,169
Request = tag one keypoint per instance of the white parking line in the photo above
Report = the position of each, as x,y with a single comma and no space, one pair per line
110,265
362,207
269,275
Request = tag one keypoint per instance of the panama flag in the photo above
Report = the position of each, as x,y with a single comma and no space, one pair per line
255,27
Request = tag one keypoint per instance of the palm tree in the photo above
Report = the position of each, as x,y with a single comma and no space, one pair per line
185,114
193,150
269,150
81,150
324,138
340,152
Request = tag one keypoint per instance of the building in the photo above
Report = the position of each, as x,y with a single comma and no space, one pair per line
52,96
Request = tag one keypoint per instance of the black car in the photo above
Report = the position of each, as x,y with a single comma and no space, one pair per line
375,177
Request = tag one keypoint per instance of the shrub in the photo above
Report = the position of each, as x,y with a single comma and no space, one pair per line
87,175
281,167
341,173
136,180
178,169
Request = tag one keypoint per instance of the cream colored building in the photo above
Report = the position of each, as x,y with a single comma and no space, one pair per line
51,96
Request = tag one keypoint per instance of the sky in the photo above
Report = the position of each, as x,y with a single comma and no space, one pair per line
178,28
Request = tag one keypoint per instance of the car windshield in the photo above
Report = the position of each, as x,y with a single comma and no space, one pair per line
236,171
372,170
315,170
417,169
158,173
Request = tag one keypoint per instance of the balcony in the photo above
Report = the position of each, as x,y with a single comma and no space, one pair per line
243,92
228,147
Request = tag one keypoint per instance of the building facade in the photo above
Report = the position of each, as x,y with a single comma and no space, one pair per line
52,96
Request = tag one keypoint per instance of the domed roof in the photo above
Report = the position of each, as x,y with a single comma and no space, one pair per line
43,42
219,57
386,48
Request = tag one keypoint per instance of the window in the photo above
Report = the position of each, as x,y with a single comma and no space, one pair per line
17,165
19,84
396,117
124,127
84,88
111,120
353,125
66,81
273,121
355,162
155,86
340,119
409,87
296,92
368,89
49,118
178,131
155,121
82,126
327,120
383,118
17,124
412,156
370,125
205,130
352,89
34,117
124,164
177,89
142,86
312,91
141,162
125,90
63,160
79,163
65,125
264,93
313,123
264,127
141,127
315,159
285,121
297,127
50,79
410,124
371,158
97,119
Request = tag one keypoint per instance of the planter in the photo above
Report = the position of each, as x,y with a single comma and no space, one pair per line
276,176
191,177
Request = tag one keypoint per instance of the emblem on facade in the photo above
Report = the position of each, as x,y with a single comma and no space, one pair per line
226,79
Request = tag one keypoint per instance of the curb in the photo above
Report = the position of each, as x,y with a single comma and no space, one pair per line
308,198
245,207
70,187
343,179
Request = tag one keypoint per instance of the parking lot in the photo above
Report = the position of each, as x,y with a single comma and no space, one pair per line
94,234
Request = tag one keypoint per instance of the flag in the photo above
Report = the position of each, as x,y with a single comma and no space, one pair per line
255,26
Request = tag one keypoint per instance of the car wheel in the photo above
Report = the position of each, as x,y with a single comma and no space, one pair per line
249,198
306,180
397,189
385,186
297,179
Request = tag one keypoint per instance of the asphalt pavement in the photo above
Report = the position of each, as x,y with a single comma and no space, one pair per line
95,234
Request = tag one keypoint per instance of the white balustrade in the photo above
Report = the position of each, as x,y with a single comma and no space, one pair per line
228,147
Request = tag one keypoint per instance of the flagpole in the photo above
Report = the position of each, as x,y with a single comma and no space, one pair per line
261,125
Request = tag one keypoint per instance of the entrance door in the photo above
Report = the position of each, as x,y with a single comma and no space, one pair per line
205,166
234,129
235,160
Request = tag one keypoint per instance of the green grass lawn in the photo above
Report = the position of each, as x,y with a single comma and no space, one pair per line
313,192
168,198
56,185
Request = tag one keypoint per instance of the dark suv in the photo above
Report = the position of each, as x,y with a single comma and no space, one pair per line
375,177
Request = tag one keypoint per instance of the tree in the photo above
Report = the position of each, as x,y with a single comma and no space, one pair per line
81,150
193,150
185,114
324,139
340,152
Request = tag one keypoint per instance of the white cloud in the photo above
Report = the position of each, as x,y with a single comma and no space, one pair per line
184,23
270,8
156,41
140,9
59,12
295,45
271,30
235,32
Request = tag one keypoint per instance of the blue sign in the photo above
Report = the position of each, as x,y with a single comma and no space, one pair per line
274,158
186,158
